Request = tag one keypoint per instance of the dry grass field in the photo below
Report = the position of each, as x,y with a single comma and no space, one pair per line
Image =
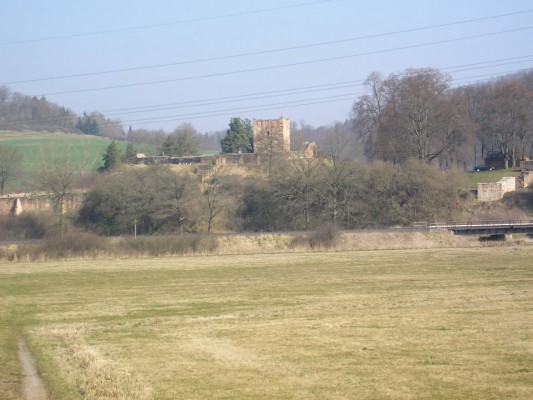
386,324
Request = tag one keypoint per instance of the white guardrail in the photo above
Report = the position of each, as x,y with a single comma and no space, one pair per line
479,225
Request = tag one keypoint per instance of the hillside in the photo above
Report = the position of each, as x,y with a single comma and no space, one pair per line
30,144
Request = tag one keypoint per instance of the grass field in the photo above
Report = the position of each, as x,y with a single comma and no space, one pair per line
490,176
31,144
424,324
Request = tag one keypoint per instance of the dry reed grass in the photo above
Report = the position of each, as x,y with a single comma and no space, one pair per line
87,246
84,368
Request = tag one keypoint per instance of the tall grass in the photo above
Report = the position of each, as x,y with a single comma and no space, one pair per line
167,245
89,374
83,245
77,245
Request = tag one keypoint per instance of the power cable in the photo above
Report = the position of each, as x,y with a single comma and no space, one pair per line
185,117
277,105
291,48
284,92
293,91
179,22
287,65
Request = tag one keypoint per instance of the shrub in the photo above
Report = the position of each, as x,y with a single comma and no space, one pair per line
75,245
24,226
325,237
165,245
299,241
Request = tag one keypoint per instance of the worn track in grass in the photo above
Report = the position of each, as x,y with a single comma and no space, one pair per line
33,386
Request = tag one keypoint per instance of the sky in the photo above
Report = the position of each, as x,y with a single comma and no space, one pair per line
159,63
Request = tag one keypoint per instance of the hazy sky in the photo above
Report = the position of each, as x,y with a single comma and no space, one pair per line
158,63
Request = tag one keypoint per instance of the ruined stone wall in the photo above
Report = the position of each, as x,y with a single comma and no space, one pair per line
496,190
241,158
32,203
272,135
489,191
527,178
526,165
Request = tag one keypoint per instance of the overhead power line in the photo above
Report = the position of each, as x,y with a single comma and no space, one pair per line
273,106
247,98
345,96
302,89
310,89
233,112
279,66
179,22
261,52
267,107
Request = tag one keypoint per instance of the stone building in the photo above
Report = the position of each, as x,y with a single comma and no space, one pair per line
272,135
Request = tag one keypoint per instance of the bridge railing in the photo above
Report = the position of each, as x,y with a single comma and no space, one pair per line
479,224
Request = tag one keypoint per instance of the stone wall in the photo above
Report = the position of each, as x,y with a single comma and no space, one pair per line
528,178
37,202
526,165
496,190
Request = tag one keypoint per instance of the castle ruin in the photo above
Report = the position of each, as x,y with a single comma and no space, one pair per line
272,135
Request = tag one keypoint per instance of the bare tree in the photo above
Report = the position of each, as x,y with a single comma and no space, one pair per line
508,119
422,95
58,171
412,115
367,113
155,198
212,192
337,172
299,186
10,160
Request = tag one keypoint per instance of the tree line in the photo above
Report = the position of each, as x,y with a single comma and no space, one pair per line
418,115
19,112
404,126
298,194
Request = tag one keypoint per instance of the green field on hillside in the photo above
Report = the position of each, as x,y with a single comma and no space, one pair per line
424,324
32,144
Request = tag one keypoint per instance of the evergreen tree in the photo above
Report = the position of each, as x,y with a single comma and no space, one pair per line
238,137
130,156
87,125
169,146
112,156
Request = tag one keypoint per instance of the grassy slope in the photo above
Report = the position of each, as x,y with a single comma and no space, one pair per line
30,144
490,176
398,324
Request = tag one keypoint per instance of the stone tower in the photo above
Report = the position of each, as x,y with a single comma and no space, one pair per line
272,135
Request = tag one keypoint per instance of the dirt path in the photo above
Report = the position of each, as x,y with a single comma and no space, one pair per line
32,384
